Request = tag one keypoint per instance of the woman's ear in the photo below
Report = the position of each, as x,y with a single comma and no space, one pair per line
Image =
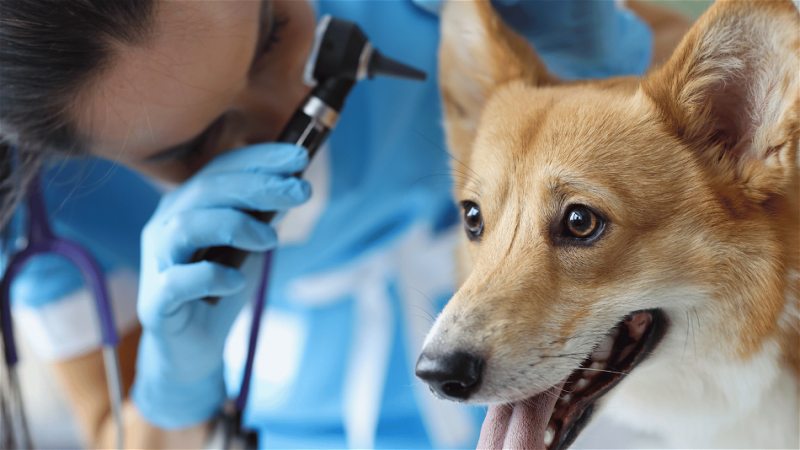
478,53
731,92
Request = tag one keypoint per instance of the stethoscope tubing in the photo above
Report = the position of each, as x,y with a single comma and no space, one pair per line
41,241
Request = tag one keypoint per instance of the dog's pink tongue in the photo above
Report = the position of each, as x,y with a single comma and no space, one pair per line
519,425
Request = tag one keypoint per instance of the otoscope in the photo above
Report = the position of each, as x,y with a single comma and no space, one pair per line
341,56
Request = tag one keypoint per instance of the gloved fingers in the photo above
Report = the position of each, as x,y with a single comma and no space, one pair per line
186,232
169,306
271,157
243,190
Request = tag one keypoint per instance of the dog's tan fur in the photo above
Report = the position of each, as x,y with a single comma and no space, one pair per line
694,167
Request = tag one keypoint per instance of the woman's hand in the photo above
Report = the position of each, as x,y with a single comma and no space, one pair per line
179,368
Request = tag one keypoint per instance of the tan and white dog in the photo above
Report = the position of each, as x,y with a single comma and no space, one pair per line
630,244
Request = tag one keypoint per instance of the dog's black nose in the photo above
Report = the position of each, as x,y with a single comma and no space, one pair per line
454,375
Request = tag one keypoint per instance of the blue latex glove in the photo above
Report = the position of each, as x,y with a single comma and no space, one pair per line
179,376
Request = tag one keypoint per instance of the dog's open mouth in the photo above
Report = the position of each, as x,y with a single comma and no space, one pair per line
524,424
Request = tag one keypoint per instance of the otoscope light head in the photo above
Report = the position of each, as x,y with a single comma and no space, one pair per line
381,65
342,50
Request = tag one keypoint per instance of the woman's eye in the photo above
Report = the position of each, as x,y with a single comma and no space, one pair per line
581,222
278,24
199,145
473,220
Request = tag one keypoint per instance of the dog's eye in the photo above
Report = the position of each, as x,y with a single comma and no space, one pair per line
581,222
473,221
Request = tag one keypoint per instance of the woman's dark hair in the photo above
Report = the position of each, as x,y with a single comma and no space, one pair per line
50,51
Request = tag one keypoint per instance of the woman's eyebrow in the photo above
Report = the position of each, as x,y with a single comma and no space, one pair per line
265,23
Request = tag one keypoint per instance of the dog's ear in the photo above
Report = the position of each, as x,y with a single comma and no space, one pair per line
478,53
731,91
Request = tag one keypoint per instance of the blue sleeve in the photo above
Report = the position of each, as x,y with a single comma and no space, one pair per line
582,39
101,206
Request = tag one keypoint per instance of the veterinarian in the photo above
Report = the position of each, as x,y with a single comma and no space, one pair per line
151,121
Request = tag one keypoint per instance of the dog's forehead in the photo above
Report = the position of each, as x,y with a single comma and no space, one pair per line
545,148
584,132
528,124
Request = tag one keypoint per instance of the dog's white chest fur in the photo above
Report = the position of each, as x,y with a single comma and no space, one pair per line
690,400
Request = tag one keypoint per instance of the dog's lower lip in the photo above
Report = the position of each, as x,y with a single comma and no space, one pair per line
625,346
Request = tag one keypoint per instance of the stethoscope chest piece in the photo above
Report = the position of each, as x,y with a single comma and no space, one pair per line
227,432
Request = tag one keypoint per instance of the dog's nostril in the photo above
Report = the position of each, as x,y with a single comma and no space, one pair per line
454,375
456,389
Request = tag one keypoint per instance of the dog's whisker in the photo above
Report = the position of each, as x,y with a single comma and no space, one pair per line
422,317
424,333
686,343
425,297
464,176
428,314
641,352
461,184
445,151
694,339
603,370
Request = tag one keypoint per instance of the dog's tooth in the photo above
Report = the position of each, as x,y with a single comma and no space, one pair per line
549,434
594,369
603,351
581,385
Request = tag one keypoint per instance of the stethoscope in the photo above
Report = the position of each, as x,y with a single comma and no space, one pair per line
42,241
341,56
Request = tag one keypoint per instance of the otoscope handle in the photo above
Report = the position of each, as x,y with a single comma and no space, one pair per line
308,127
